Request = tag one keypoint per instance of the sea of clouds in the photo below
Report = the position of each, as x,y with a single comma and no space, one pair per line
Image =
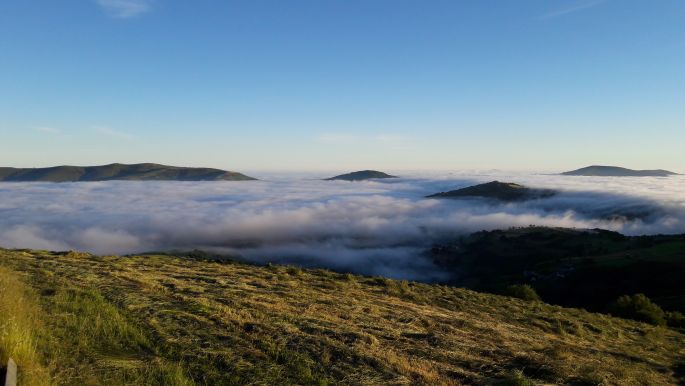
379,227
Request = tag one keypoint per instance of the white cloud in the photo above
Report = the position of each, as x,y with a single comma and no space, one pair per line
113,133
373,227
16,236
49,130
571,9
125,9
350,139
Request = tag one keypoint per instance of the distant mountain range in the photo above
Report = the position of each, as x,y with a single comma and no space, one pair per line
136,172
615,171
360,176
503,191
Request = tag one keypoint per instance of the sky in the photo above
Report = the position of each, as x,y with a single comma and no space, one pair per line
343,84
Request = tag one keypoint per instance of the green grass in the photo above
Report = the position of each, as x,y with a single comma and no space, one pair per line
179,321
19,326
64,334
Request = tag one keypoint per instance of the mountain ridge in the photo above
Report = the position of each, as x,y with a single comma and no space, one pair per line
360,176
617,171
118,172
503,191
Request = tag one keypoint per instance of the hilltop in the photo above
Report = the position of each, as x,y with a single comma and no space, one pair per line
75,318
615,171
361,175
503,191
136,172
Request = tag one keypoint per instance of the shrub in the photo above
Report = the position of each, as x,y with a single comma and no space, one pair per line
675,320
522,291
639,307
294,271
516,378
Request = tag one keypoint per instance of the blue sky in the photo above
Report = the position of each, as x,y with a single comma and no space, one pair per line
343,84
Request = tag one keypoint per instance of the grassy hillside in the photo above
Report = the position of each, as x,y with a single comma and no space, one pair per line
570,267
83,319
136,172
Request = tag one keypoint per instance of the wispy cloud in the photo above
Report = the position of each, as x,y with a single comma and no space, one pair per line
347,139
578,6
48,130
124,9
113,133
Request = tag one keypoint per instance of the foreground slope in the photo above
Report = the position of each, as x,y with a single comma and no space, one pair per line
615,171
136,172
171,320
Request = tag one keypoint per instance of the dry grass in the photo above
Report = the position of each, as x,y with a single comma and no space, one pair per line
175,320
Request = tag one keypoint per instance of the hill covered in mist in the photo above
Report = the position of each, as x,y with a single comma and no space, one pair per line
360,176
503,191
615,171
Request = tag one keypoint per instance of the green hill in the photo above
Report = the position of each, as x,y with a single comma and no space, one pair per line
136,172
588,268
615,171
503,191
361,175
73,318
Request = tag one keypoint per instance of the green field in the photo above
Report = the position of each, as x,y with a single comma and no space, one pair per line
73,318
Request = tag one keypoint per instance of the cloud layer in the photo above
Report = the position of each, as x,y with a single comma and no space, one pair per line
125,9
366,227
579,6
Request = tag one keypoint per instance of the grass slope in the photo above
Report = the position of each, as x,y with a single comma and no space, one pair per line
171,320
136,172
